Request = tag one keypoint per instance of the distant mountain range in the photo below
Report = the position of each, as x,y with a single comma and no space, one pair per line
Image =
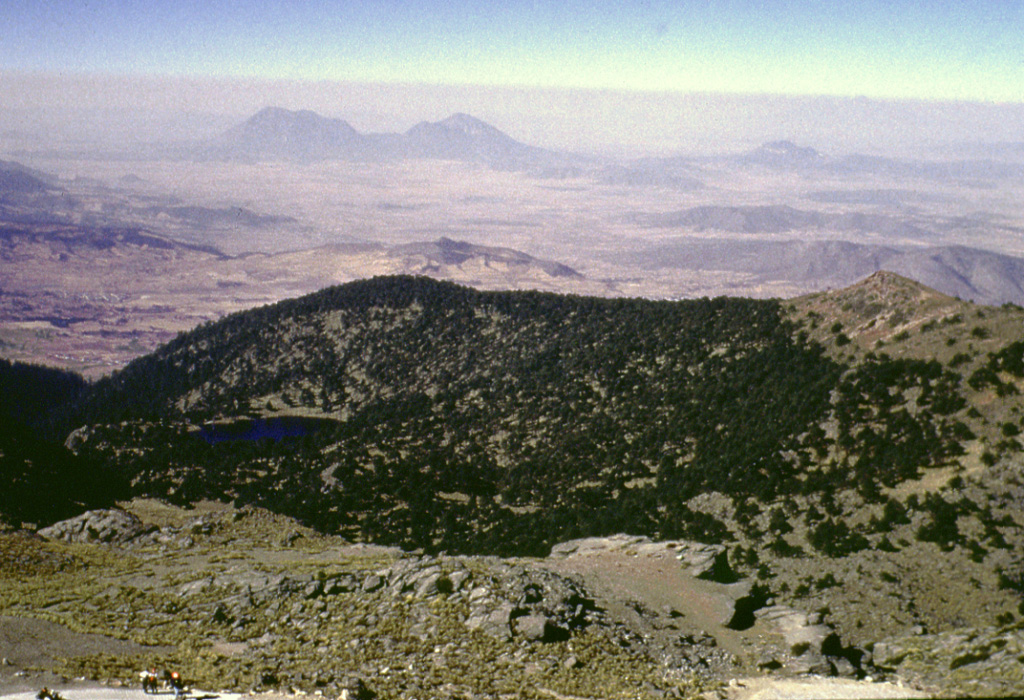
782,153
780,219
786,155
968,273
275,133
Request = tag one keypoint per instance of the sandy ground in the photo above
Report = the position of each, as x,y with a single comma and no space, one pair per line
617,579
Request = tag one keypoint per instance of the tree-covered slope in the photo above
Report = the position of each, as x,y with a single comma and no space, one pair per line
504,421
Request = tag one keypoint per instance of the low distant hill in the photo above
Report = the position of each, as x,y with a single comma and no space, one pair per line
211,217
16,178
21,187
968,273
435,256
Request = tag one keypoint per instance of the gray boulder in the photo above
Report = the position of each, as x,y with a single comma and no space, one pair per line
494,622
538,628
799,634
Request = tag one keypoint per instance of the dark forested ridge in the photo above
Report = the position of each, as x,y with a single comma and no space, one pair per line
40,481
30,392
501,422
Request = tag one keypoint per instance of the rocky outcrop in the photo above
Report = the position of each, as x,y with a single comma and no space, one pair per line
705,561
118,527
504,601
969,662
514,602
112,526
800,631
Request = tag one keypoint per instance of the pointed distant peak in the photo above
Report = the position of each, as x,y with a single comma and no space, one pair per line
782,146
468,125
788,149
885,277
273,114
463,119
272,111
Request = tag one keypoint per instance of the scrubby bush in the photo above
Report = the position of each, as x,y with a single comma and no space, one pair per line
834,538
941,527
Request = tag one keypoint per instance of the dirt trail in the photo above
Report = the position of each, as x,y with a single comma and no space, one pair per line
78,691
745,689
660,582
818,688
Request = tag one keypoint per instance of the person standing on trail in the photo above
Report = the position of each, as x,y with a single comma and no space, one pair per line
148,680
176,685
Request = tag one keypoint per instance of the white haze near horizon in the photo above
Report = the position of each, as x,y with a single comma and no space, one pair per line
118,111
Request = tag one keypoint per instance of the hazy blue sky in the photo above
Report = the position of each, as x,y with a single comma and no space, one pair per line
930,49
